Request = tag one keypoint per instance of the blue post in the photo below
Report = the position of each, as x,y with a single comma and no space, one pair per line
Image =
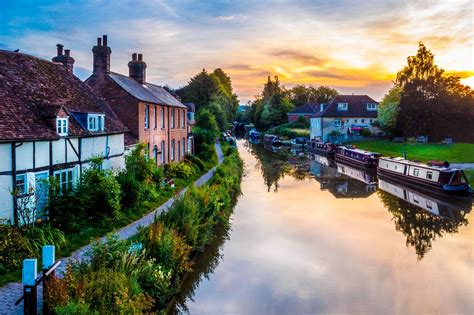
28,276
48,255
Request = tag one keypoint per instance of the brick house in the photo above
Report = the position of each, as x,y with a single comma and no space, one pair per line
307,111
345,115
51,124
191,122
153,116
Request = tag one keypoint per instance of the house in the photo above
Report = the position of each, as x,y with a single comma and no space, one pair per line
307,111
153,116
191,122
344,115
51,124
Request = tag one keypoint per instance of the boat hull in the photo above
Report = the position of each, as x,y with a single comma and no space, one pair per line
345,159
463,191
320,151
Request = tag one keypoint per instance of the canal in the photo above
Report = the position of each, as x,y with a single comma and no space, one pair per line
311,236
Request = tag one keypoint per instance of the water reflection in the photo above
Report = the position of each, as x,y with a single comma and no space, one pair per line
420,217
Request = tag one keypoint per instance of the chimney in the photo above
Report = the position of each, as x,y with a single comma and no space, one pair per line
137,68
65,59
101,53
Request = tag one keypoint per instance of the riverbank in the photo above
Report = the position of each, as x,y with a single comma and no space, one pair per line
143,273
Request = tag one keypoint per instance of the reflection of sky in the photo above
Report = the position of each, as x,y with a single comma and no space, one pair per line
301,251
355,46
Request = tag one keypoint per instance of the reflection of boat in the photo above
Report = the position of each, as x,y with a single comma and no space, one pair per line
367,176
324,160
440,179
436,205
357,156
272,140
319,147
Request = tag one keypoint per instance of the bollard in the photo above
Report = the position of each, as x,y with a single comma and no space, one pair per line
48,257
29,286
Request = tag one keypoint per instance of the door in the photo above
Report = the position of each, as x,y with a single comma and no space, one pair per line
41,193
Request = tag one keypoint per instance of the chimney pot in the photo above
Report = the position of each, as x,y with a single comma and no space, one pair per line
99,41
105,40
134,57
67,52
60,49
140,57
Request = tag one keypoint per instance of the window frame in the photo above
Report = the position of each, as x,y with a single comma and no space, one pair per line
146,121
337,122
62,129
156,117
429,175
343,107
183,121
162,117
163,146
69,176
95,122
183,145
371,106
172,118
24,190
172,153
416,172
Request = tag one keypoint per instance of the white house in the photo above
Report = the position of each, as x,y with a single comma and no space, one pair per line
51,124
344,115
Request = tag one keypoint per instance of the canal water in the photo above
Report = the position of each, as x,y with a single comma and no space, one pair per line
311,236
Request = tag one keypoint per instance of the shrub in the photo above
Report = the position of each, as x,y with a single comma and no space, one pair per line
365,132
335,133
74,308
39,236
14,247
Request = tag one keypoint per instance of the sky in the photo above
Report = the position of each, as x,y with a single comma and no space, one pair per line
353,46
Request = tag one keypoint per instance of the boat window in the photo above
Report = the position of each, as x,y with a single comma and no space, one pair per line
429,175
429,205
416,172
415,198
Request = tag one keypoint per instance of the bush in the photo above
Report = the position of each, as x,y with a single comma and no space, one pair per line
74,308
14,247
335,133
365,132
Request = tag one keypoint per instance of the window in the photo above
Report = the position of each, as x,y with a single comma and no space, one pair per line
371,106
337,123
147,151
178,147
415,199
65,179
429,205
162,117
172,150
355,120
162,151
362,120
183,145
21,184
62,126
429,175
183,121
155,151
342,106
190,143
95,122
371,120
156,117
172,118
147,113
179,118
416,172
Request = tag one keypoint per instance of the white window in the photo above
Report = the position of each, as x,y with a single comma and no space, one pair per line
172,150
172,118
162,151
147,116
190,143
62,126
415,199
95,122
337,123
342,106
355,120
21,184
162,117
429,205
429,175
65,180
416,172
371,106
155,152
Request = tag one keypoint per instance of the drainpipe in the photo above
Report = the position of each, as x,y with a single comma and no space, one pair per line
13,156
169,134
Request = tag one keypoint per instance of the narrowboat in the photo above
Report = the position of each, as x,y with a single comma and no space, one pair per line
318,147
254,134
272,140
298,141
437,178
350,154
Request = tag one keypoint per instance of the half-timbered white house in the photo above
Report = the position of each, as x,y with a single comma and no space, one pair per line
51,125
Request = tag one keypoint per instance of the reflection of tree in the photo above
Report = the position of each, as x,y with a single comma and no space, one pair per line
204,264
275,165
420,227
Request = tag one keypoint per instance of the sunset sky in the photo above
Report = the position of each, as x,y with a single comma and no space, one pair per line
353,46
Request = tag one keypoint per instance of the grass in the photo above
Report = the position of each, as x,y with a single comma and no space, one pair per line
470,176
88,234
454,153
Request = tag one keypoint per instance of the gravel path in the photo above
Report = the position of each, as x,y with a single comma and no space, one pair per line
11,292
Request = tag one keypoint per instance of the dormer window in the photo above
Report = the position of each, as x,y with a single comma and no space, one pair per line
342,106
62,126
371,106
95,122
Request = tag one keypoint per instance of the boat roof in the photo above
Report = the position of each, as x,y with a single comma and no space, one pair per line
441,168
361,151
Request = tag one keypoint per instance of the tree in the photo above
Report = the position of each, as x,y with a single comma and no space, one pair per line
389,108
301,94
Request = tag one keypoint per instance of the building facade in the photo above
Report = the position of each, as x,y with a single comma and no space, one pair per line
345,115
153,116
51,125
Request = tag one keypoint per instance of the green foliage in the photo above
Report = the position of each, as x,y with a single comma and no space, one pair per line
389,108
335,133
74,308
301,94
365,132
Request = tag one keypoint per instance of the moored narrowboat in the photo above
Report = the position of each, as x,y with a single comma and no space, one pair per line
272,140
438,178
322,148
254,134
298,141
350,154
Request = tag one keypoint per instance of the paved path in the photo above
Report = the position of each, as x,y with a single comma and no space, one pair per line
10,293
463,166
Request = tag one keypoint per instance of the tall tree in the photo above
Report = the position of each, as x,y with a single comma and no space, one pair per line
301,94
389,109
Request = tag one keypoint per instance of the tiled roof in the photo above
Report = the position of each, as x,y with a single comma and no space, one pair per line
191,107
310,108
145,92
357,107
33,91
